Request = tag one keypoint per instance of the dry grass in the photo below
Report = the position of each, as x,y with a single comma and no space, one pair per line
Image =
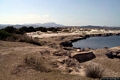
12,53
16,37
23,38
94,71
36,63
112,66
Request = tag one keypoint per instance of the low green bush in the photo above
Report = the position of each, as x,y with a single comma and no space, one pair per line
4,35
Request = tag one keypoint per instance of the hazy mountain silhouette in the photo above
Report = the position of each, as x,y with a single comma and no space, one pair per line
53,24
49,24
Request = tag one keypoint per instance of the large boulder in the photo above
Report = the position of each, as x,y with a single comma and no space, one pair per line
66,44
83,56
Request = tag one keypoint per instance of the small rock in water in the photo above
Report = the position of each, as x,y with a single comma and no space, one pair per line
78,50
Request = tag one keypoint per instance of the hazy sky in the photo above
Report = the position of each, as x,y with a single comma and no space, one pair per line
66,12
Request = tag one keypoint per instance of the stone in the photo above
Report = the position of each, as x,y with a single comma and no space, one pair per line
66,44
78,50
61,53
83,56
87,49
113,53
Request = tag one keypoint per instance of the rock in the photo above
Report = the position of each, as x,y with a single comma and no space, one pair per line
78,50
44,52
83,56
53,45
68,48
61,53
105,47
113,53
109,54
87,49
70,62
66,44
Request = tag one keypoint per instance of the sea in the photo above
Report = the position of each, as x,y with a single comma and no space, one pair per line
98,42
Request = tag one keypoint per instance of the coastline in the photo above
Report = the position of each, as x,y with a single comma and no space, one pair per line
94,35
66,60
91,35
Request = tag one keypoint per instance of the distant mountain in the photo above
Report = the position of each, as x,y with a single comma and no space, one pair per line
49,24
52,24
4,25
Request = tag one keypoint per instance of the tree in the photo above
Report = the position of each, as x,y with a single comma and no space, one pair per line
10,29
53,29
42,29
4,34
31,29
23,29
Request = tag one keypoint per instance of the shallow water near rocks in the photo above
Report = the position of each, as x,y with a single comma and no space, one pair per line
98,42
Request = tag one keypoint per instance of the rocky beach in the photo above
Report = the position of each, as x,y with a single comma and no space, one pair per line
59,57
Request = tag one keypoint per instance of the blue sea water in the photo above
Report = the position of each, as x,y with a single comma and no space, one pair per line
98,42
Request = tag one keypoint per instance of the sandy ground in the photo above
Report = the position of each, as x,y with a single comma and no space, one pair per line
39,34
12,54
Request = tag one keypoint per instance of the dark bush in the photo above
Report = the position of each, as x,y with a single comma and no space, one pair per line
31,29
23,29
52,29
42,29
4,35
10,29
18,31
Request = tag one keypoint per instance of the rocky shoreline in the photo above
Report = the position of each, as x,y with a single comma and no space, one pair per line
69,43
59,55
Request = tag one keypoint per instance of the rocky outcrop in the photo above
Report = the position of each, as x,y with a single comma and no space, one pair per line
81,37
66,44
87,49
113,54
83,56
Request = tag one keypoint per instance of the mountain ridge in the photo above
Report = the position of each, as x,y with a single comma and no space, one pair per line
48,24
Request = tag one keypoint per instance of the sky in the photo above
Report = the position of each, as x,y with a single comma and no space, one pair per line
66,12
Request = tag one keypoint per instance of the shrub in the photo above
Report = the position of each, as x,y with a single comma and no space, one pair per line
36,63
23,29
10,29
53,29
27,39
23,38
42,29
94,71
4,35
31,29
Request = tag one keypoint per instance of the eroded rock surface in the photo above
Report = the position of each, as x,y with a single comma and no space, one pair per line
83,56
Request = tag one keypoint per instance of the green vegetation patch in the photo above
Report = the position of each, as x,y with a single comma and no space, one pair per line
4,35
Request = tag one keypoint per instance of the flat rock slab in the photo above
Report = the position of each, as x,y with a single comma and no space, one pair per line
83,56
